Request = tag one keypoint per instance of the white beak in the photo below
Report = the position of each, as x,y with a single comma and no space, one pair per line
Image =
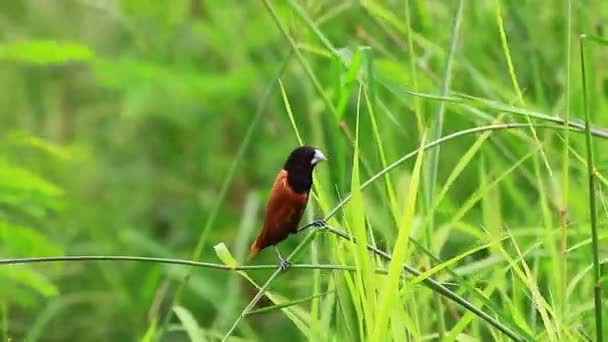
317,157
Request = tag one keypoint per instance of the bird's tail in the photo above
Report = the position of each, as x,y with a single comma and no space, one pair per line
253,250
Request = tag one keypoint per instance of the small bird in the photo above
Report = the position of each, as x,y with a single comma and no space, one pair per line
287,200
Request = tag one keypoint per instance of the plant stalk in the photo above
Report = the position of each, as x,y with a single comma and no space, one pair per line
597,271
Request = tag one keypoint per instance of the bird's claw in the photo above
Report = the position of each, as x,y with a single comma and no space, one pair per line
319,224
284,264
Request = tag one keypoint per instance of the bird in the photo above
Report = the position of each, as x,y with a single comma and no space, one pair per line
287,201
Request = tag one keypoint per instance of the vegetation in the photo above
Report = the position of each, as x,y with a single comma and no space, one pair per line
464,195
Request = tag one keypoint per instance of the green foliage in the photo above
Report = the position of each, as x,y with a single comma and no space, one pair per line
189,323
25,196
150,127
44,52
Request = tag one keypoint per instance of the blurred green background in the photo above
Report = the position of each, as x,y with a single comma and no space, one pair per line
120,123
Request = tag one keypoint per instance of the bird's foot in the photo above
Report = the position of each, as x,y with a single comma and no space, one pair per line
319,224
284,264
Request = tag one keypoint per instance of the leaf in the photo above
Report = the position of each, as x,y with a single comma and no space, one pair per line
311,24
428,273
22,189
348,86
389,295
150,332
44,52
34,204
25,241
24,138
290,113
28,278
370,100
16,178
396,73
224,254
462,163
385,14
285,305
355,214
189,323
181,82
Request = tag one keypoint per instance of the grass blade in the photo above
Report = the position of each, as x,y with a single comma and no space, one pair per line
432,167
370,99
597,271
565,168
300,58
292,120
389,293
285,305
189,323
512,74
356,223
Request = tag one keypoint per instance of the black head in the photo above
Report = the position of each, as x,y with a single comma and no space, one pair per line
299,167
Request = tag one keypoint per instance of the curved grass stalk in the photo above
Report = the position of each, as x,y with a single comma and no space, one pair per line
477,102
439,141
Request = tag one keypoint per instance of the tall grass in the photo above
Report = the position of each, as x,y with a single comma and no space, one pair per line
448,217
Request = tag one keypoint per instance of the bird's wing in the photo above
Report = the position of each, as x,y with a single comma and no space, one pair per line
284,210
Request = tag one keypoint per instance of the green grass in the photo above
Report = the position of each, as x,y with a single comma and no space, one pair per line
465,190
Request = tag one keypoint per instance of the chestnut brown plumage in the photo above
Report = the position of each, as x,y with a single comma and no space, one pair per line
287,200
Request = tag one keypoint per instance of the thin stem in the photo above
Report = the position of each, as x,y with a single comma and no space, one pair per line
438,126
300,58
439,141
512,74
413,71
466,100
433,167
597,271
4,315
153,260
505,48
565,170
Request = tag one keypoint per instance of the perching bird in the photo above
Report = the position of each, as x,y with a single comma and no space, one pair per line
287,200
